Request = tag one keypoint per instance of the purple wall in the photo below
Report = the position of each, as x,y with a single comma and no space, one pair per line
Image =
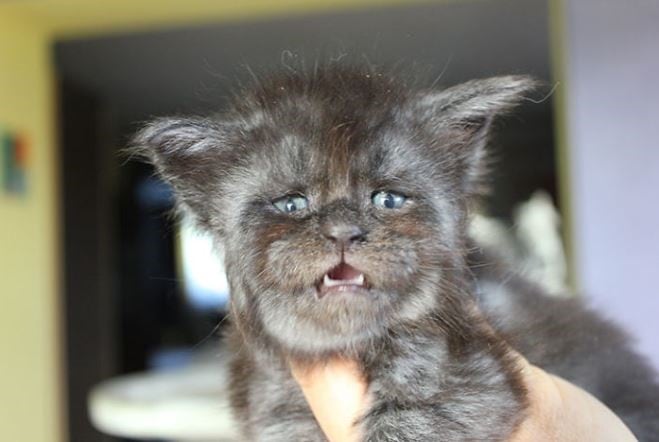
612,98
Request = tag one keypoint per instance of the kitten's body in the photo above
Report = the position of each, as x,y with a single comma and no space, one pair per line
383,175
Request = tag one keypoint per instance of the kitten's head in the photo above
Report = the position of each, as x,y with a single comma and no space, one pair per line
339,197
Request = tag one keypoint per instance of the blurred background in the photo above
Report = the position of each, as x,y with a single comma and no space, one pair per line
97,281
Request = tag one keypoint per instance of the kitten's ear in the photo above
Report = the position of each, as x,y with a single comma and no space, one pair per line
463,115
188,154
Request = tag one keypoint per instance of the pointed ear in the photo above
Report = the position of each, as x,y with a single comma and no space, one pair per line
462,116
188,154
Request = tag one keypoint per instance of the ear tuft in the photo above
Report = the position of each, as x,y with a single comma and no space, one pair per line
464,114
187,154
480,100
164,139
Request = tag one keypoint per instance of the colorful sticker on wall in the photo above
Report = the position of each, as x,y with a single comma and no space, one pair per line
14,151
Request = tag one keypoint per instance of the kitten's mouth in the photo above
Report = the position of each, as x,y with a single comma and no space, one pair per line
342,278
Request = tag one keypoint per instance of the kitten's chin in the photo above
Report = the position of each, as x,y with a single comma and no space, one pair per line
310,341
344,319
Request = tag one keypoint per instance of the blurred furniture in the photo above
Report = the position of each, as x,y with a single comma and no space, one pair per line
185,404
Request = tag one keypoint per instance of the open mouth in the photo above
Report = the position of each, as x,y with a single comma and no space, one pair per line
342,278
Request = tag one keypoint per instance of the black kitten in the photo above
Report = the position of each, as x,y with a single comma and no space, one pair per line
341,200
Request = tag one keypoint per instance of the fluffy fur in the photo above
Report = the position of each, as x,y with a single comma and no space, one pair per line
437,368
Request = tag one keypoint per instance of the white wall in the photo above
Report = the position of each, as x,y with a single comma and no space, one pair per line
612,98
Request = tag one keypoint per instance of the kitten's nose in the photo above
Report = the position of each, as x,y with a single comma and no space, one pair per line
344,234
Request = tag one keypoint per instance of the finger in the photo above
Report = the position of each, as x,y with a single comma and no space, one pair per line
336,394
561,411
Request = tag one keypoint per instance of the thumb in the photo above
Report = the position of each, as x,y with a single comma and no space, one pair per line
336,393
561,411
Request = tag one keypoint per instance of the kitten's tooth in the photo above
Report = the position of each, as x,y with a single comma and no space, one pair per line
327,281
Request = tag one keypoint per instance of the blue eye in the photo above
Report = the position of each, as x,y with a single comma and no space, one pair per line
388,200
291,203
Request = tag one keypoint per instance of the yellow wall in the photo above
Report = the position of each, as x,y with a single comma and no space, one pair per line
78,18
29,373
31,387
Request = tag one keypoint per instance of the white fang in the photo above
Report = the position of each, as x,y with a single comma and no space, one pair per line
329,282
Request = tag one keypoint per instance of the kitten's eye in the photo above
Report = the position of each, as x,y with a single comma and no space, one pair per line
388,200
291,203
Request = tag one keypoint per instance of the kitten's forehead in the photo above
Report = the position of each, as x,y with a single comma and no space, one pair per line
332,133
332,152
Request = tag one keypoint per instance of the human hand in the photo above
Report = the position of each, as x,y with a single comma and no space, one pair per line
558,411
561,411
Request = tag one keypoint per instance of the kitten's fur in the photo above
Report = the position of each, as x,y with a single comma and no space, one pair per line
437,368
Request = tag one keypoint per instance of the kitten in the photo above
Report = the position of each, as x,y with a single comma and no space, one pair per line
340,198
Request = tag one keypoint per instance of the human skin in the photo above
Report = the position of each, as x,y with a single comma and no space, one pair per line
558,411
